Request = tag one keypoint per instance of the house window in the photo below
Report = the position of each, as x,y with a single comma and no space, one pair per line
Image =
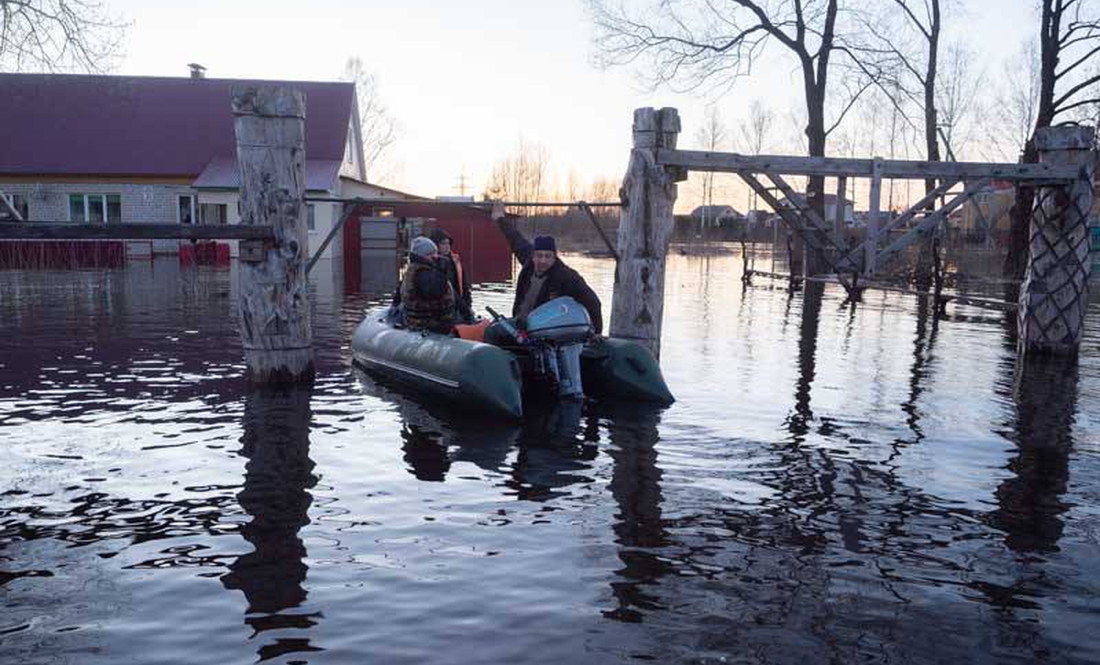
19,202
185,209
95,208
311,217
213,213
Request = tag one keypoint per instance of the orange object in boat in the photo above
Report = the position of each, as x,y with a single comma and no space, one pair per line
474,332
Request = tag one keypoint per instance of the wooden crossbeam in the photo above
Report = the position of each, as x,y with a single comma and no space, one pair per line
348,210
697,160
929,223
85,231
912,212
6,205
795,221
815,220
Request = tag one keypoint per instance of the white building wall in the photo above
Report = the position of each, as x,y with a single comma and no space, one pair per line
142,203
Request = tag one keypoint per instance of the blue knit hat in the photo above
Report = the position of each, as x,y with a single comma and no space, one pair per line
422,246
545,244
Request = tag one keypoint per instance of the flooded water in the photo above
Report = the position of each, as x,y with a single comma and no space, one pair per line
834,483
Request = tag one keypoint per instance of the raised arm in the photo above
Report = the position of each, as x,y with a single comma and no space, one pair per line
521,247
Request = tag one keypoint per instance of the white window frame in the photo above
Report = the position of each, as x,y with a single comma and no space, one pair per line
87,209
194,208
311,218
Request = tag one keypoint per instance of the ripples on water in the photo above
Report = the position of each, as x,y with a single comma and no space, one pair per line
834,483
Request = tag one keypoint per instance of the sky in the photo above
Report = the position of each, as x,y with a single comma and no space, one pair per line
467,79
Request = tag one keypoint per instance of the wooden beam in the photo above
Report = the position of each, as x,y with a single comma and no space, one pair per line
698,160
592,218
874,203
919,207
6,205
348,210
86,231
839,221
928,224
809,214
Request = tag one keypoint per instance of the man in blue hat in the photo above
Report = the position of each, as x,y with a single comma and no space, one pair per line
544,276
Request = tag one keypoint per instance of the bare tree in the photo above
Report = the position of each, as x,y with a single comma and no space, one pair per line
756,134
1069,41
1017,104
697,44
58,35
957,98
379,130
899,50
521,177
711,136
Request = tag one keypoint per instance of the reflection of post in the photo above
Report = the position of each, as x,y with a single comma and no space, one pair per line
923,343
1045,393
636,487
278,474
798,423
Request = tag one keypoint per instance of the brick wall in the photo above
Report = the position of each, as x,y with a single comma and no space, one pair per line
141,203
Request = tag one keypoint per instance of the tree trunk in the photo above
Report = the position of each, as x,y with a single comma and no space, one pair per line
1020,215
645,229
273,302
923,277
813,261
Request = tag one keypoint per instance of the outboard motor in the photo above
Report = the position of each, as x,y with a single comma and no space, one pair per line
558,330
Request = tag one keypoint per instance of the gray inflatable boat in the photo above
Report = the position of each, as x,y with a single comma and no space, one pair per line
496,380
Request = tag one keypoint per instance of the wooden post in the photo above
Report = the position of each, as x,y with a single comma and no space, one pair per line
273,302
645,228
1054,294
871,243
840,219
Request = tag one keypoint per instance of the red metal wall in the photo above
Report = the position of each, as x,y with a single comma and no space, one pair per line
486,256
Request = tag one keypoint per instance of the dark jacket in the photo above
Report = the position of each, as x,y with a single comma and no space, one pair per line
451,267
561,280
427,296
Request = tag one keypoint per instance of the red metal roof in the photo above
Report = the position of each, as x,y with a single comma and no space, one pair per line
66,124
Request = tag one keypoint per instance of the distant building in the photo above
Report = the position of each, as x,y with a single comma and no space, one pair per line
831,208
105,149
987,212
717,215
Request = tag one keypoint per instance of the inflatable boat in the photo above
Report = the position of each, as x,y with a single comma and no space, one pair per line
553,357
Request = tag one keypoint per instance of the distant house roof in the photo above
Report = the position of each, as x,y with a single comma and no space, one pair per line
61,124
830,200
715,212
223,173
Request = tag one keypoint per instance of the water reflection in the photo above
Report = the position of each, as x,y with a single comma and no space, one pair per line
278,476
924,343
798,422
639,528
1044,393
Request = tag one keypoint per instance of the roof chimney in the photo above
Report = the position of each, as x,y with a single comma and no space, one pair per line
197,70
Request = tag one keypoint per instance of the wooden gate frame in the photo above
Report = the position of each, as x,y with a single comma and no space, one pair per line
867,257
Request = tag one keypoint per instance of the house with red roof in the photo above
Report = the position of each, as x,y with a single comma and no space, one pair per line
107,149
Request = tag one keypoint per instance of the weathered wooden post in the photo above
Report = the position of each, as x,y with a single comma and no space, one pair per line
645,228
273,303
873,211
1054,294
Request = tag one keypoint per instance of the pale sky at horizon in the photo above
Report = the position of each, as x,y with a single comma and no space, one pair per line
467,79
